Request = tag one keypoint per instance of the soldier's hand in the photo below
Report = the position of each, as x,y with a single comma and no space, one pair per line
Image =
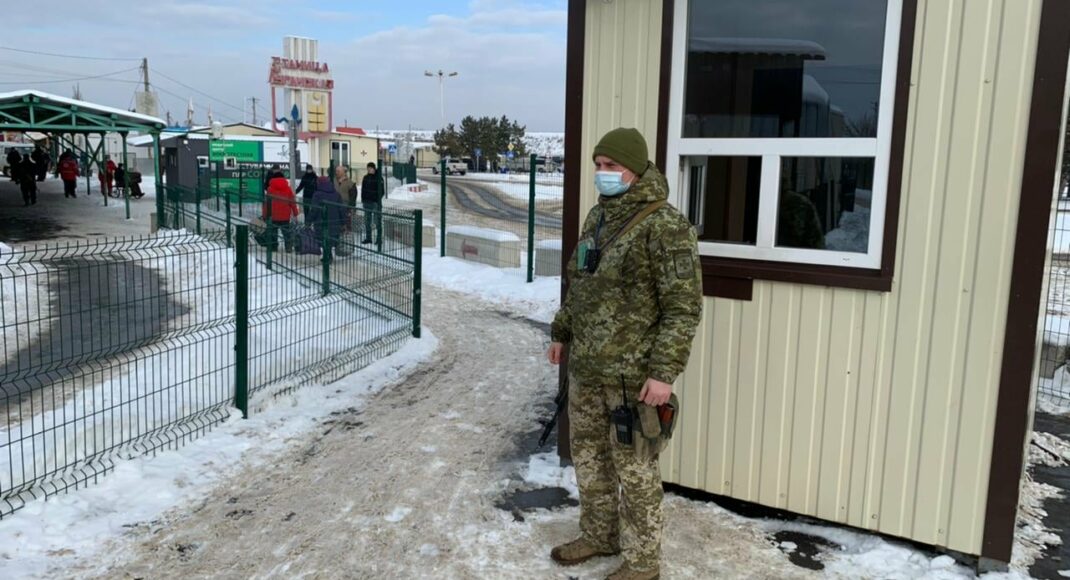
554,353
655,393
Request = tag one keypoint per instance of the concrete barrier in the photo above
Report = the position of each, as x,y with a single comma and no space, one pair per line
402,232
548,258
485,246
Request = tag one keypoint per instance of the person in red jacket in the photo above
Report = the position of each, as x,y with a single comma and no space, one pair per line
280,206
107,175
68,172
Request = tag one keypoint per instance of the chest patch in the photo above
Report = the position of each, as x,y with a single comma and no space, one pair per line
684,263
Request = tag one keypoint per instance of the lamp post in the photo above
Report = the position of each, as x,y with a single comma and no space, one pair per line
442,76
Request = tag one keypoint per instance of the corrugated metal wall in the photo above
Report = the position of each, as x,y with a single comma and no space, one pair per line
866,408
621,67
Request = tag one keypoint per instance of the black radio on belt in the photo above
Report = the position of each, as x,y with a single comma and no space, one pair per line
623,417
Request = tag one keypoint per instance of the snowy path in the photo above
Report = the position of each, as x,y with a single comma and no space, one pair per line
407,487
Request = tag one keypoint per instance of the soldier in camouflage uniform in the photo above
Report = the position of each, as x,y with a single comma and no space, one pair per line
628,324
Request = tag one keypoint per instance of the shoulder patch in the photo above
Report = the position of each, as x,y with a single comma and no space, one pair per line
685,264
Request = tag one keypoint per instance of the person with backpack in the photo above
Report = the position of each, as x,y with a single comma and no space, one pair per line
280,208
372,192
633,305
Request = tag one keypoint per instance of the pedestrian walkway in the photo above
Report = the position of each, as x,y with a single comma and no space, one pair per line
56,218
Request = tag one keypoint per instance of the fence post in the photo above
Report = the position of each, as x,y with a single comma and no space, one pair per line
198,206
442,209
531,223
272,237
326,250
228,221
241,322
417,269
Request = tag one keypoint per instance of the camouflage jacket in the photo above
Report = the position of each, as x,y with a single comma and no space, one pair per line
637,314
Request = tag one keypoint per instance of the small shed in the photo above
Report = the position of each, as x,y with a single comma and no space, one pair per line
872,184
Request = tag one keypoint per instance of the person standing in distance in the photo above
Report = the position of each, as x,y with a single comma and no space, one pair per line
633,305
372,192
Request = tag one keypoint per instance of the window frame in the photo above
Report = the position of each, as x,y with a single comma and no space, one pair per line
880,148
344,149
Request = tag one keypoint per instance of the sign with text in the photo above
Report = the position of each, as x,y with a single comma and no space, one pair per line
300,74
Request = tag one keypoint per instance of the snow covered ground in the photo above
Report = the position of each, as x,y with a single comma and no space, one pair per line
46,535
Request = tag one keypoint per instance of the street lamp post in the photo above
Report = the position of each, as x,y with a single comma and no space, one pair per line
442,76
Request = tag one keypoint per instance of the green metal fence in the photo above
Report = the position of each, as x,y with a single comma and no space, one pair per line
116,348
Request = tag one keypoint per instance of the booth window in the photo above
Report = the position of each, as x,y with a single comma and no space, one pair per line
340,152
782,128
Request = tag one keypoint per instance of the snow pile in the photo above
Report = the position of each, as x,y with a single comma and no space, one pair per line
537,301
1053,395
545,470
22,285
76,525
1057,330
405,193
1050,450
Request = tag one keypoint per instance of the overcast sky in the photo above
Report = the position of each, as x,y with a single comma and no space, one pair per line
510,55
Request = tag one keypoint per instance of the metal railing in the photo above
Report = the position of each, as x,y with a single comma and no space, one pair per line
120,347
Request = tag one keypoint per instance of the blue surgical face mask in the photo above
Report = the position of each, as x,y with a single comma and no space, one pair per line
610,183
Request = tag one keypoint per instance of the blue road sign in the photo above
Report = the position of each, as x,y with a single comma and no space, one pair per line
392,148
510,155
479,152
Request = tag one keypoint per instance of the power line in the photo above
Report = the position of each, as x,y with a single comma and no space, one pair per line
183,100
202,93
39,82
63,55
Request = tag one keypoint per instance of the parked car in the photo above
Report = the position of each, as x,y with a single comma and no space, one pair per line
453,166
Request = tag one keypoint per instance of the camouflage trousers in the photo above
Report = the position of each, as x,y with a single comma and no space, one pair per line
620,495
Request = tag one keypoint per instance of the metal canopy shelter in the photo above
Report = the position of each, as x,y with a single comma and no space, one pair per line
63,118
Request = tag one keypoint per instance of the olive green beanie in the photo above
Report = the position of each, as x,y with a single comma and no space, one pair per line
625,146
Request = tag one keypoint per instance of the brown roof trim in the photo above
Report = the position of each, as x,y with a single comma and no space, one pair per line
1027,280
668,13
570,226
857,278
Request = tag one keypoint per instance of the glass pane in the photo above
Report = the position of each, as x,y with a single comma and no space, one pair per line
723,197
784,68
824,203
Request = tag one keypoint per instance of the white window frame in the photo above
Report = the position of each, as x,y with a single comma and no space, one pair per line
772,150
343,146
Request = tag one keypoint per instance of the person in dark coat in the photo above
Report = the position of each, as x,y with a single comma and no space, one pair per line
327,213
42,163
372,192
120,179
28,181
14,164
307,187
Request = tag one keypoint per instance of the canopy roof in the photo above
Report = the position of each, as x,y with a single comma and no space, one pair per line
31,110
